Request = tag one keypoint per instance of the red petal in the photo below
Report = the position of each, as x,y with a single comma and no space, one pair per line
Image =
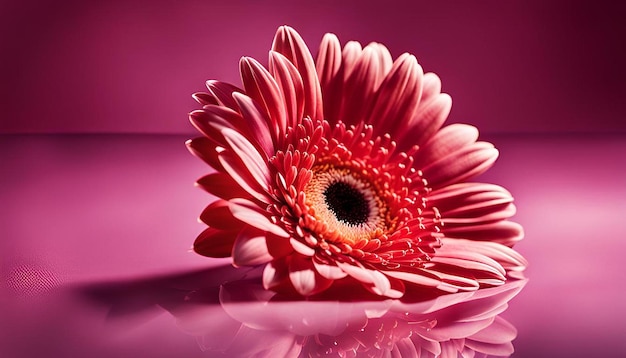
204,148
251,214
290,84
250,248
428,119
448,140
261,87
217,215
304,278
398,97
289,43
328,64
215,243
223,93
222,185
461,165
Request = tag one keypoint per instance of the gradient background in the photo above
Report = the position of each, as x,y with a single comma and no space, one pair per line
97,185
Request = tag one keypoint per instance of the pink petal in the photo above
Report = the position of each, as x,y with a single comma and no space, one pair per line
301,247
428,119
448,140
215,243
421,278
500,331
240,174
261,87
504,255
452,197
251,214
275,275
496,350
331,272
453,280
461,165
212,119
327,65
305,278
334,87
291,87
359,88
289,43
470,263
374,280
349,56
384,56
250,248
503,232
398,97
223,93
472,203
431,87
204,98
256,120
250,156
404,348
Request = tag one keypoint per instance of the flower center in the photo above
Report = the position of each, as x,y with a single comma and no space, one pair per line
347,203
344,207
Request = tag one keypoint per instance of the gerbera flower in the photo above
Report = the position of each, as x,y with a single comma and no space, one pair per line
337,171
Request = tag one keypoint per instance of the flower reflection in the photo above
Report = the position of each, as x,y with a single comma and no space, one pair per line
252,322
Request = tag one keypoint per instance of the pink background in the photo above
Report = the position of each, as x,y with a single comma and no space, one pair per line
545,82
129,66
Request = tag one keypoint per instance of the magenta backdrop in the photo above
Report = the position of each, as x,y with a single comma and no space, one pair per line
129,66
86,208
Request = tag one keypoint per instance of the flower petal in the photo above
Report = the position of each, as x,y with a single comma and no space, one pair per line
217,215
327,65
503,232
290,84
250,248
373,280
276,275
289,43
222,185
398,97
223,93
472,203
250,156
461,165
304,278
215,243
204,148
508,258
428,119
261,87
448,140
257,121
204,98
360,86
242,177
331,272
251,214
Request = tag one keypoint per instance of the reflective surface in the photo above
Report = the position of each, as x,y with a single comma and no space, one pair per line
95,262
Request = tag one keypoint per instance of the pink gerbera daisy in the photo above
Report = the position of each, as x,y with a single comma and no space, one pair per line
337,171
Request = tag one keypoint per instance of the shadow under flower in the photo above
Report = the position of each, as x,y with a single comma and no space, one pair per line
232,315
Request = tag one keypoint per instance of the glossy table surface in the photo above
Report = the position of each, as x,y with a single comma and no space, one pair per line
82,212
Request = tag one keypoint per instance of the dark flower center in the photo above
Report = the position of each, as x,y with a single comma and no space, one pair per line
347,203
